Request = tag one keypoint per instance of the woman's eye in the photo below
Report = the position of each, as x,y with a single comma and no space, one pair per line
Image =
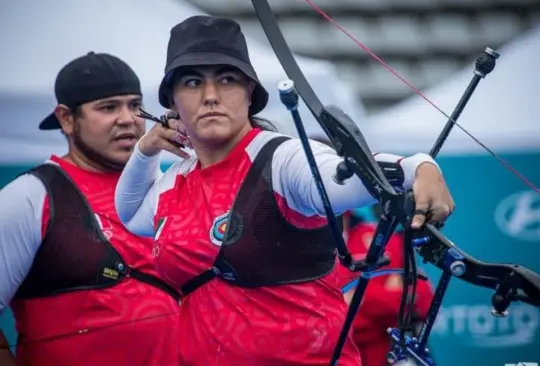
228,79
192,82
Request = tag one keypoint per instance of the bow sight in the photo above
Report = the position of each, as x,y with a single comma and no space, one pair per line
511,282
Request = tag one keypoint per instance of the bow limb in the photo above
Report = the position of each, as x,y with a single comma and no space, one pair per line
330,120
349,142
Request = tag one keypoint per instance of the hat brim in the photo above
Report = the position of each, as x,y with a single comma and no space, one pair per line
50,123
259,97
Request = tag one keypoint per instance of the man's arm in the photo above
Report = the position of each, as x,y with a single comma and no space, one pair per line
21,211
298,187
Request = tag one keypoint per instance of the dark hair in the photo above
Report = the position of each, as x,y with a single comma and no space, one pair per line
262,123
77,111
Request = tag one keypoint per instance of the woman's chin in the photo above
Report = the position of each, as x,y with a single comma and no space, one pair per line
218,133
215,135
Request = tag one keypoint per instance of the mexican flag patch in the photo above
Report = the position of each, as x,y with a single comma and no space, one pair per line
160,225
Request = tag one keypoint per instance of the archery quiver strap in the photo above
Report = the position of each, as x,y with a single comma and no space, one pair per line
74,254
260,247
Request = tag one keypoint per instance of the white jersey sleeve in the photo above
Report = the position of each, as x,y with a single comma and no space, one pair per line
136,194
139,187
293,180
21,212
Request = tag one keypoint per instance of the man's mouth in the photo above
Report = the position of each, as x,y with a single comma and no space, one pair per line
127,139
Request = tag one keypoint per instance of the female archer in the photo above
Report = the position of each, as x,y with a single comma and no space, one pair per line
240,227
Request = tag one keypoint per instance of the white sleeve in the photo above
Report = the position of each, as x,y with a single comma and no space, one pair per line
21,211
136,195
293,180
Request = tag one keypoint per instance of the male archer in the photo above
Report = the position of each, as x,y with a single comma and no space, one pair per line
82,288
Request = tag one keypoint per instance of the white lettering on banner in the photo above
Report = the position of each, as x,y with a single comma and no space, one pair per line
475,325
518,215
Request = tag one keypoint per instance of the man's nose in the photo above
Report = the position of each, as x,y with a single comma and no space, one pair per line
126,116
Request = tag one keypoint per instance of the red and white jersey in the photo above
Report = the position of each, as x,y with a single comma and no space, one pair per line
185,210
121,336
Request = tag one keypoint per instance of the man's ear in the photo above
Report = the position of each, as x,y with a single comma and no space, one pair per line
65,117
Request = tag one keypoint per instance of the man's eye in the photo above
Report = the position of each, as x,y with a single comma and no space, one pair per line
108,108
136,105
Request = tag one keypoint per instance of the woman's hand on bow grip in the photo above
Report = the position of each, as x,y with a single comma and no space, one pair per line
172,139
433,201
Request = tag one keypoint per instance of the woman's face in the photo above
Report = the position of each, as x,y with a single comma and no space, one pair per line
213,103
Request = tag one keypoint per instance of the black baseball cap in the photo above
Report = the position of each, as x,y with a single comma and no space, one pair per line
91,77
206,40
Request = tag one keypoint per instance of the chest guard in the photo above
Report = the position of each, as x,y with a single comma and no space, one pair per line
74,254
260,247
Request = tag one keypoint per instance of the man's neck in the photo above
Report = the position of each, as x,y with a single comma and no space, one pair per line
210,155
77,158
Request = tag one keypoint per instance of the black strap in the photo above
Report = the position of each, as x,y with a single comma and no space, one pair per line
199,280
112,256
153,281
220,267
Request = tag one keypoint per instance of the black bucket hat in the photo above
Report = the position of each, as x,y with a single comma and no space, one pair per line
205,40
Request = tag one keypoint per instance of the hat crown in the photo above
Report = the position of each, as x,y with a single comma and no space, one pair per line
91,72
201,34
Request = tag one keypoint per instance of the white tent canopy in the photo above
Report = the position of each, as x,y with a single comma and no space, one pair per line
502,113
38,37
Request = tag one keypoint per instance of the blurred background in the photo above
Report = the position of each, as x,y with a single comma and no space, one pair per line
432,43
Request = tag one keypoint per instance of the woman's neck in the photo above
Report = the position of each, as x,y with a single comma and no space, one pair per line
211,154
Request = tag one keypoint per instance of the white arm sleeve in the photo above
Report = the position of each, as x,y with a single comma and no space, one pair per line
21,211
293,179
136,195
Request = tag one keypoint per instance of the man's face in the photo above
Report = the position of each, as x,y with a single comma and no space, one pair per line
213,103
105,131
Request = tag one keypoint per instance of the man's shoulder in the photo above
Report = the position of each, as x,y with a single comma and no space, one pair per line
24,196
24,184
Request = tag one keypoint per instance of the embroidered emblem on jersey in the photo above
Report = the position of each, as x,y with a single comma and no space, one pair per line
219,228
160,226
159,229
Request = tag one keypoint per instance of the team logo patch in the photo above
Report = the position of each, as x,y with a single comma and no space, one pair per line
219,228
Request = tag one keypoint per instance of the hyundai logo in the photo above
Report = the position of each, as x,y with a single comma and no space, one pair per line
518,215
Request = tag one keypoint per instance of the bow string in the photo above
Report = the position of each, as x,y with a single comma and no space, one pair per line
416,91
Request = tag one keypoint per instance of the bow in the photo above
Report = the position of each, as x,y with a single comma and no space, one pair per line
511,282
